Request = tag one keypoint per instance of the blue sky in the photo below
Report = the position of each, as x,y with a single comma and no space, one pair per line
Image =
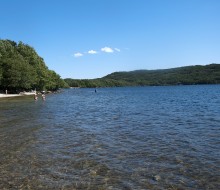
93,38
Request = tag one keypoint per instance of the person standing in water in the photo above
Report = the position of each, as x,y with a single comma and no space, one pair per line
35,97
43,97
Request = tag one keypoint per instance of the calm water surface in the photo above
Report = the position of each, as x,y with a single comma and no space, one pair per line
117,138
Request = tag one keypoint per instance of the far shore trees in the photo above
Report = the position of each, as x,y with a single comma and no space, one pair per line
208,74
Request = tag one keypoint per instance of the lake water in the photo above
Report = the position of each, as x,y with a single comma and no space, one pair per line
117,138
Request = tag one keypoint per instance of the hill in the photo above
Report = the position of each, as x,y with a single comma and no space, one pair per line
208,74
21,68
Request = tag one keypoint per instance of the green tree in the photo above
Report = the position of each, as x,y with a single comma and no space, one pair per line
21,68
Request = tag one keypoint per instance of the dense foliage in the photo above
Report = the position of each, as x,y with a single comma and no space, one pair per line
209,74
86,83
21,68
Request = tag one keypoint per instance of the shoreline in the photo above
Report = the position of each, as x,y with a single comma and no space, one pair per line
9,95
15,95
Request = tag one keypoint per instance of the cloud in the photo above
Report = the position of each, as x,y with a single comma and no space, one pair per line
118,50
104,49
92,52
78,54
107,50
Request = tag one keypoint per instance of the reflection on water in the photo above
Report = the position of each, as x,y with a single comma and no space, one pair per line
117,138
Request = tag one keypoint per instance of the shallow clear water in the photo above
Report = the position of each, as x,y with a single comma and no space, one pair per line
117,138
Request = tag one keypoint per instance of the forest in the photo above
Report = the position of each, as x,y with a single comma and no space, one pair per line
188,75
22,69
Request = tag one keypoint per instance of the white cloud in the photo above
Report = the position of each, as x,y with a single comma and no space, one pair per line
107,50
92,52
78,54
118,50
104,49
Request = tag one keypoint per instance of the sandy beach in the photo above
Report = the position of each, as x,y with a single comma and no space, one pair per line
16,95
9,95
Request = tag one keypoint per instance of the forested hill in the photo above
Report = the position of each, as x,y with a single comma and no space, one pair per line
209,74
21,68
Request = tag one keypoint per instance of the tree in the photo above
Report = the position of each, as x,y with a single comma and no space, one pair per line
21,68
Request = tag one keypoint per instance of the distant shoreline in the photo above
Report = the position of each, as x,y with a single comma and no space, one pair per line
188,75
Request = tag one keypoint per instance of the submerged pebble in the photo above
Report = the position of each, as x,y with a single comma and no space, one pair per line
156,178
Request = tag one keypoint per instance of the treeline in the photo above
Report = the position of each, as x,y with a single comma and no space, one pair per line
209,74
92,83
21,68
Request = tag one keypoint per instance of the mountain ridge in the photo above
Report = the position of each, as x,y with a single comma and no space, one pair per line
186,75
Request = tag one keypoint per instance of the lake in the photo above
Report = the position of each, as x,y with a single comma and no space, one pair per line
118,138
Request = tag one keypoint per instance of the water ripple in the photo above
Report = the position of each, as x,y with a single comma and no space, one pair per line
117,138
